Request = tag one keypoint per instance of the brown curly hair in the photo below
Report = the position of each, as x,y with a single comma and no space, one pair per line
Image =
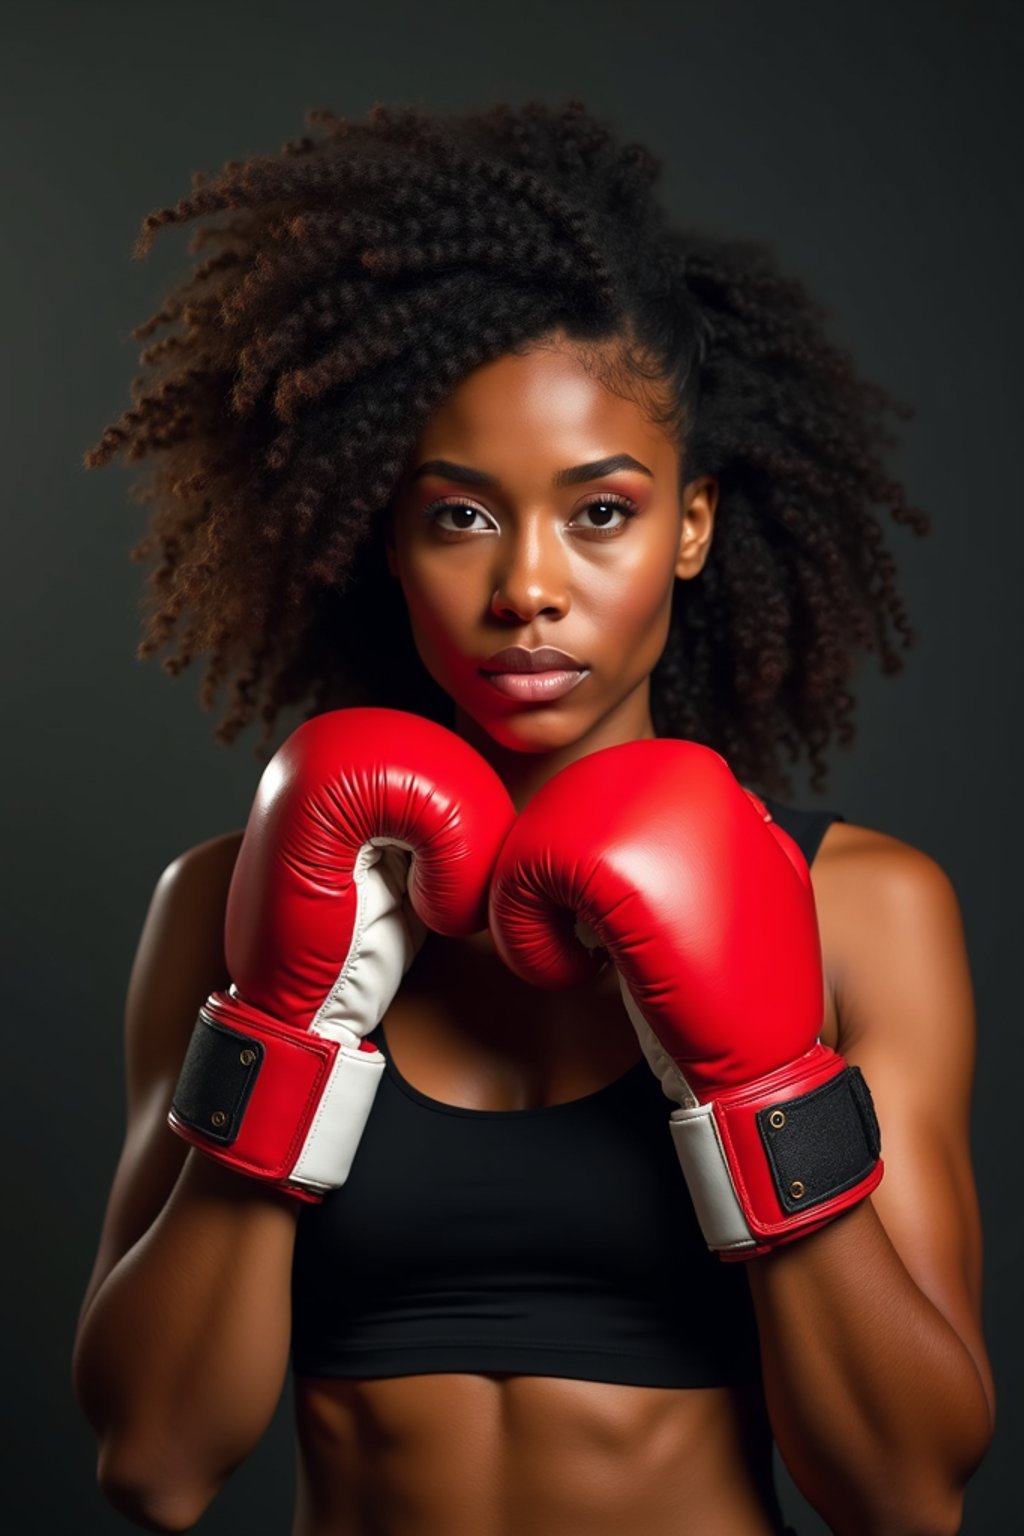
355,279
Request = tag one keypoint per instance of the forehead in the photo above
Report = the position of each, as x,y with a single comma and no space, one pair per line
554,399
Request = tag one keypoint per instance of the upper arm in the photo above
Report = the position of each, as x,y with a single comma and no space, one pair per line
179,960
906,1017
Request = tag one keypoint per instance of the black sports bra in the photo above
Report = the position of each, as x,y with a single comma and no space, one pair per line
557,1241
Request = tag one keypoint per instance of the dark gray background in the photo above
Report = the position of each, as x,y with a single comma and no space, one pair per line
877,146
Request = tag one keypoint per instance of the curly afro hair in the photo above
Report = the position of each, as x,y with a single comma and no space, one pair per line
354,279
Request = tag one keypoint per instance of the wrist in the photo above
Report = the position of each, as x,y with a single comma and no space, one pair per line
827,1243
207,1178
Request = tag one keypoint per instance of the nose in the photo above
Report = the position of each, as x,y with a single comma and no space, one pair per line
530,576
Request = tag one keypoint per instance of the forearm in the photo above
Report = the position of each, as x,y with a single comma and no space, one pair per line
877,1406
180,1358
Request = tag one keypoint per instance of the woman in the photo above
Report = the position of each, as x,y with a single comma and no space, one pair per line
451,385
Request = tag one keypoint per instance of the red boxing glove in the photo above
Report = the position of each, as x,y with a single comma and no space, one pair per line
325,914
653,851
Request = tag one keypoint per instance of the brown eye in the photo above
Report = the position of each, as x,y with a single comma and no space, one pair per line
457,511
602,506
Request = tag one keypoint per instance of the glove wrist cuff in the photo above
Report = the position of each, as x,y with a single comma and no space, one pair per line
285,1105
780,1156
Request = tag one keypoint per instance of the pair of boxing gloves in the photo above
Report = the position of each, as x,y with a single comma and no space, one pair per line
371,826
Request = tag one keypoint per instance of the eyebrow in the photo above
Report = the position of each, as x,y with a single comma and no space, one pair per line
574,476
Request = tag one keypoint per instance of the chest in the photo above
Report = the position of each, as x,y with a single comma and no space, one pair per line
465,1030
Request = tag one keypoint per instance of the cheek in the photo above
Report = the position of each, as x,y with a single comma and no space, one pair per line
633,600
440,602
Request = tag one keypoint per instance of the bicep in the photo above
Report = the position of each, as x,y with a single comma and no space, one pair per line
907,1019
178,961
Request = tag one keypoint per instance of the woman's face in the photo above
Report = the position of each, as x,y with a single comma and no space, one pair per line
541,509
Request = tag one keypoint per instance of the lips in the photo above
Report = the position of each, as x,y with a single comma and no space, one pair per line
535,687
533,677
516,658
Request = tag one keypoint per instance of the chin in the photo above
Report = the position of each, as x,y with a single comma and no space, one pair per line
530,731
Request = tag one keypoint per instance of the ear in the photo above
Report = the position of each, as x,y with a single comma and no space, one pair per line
700,502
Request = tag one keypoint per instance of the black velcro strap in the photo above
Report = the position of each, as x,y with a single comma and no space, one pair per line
217,1077
823,1142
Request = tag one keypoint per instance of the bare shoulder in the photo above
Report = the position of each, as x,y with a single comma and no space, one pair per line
205,866
890,922
847,843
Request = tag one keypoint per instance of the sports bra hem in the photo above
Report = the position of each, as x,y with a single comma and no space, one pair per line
481,1359
501,1344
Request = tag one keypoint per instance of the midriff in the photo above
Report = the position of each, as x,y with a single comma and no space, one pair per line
474,1455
